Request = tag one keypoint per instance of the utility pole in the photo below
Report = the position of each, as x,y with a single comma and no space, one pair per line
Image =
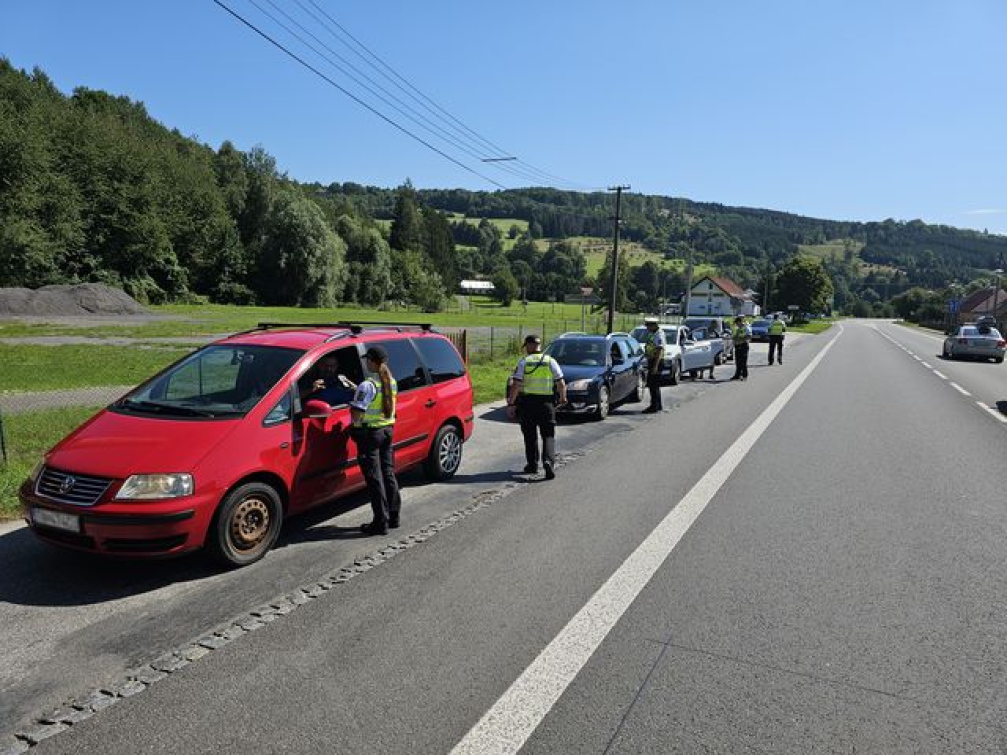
688,283
614,278
765,298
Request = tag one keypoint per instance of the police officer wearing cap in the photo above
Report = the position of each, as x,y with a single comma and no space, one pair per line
372,411
742,336
654,345
532,399
777,329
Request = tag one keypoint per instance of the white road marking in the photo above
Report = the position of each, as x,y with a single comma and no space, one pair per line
941,375
928,366
918,359
506,726
960,389
995,412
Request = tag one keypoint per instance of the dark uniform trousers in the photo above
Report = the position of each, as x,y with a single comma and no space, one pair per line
377,462
741,360
776,347
654,385
538,416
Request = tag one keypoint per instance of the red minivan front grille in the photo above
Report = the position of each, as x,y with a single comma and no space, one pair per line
79,490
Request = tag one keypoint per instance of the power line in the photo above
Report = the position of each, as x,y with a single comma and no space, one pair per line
412,115
412,91
356,99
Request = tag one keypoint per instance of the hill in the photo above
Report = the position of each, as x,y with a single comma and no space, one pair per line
96,191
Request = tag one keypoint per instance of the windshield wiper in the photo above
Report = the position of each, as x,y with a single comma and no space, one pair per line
160,408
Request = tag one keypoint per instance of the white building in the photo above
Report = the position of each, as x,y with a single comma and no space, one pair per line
720,297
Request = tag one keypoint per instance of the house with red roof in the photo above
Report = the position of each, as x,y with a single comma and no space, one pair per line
720,297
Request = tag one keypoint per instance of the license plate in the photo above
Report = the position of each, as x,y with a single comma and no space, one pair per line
55,519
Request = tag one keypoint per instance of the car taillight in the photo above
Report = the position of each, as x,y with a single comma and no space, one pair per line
1002,344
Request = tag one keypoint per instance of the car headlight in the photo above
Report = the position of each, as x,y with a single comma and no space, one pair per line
152,487
36,471
578,385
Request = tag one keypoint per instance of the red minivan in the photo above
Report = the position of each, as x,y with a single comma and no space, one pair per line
222,445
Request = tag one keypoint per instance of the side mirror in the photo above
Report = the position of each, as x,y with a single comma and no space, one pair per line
316,409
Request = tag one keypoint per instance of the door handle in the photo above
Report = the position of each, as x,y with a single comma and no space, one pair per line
430,402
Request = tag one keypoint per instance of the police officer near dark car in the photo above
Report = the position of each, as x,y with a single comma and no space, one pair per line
741,334
654,344
537,386
777,329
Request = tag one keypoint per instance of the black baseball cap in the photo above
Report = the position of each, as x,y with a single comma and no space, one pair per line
377,353
532,339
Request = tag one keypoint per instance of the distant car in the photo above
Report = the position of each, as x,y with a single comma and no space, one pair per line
600,372
760,330
687,352
975,341
718,332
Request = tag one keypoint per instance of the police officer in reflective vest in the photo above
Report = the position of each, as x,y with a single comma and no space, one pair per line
654,344
531,398
372,411
742,336
776,331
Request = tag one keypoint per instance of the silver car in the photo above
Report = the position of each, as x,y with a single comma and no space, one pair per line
975,341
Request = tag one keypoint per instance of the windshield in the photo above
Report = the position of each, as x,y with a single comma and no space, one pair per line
224,380
980,331
578,351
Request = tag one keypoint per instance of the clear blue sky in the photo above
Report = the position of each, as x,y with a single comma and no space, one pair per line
839,109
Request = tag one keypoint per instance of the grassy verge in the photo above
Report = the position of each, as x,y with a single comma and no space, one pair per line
45,368
26,438
813,328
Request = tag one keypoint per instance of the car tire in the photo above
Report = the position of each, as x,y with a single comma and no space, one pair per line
445,454
676,372
603,404
641,387
246,525
998,360
719,359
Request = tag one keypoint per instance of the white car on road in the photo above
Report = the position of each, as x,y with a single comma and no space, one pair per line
686,353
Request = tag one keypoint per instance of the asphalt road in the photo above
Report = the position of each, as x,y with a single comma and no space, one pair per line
74,624
805,562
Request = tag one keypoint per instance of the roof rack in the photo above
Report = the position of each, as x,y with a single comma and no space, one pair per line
355,328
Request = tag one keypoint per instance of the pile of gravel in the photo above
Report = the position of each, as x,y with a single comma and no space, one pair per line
67,301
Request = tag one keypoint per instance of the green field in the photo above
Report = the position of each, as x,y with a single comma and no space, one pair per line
50,368
836,249
26,438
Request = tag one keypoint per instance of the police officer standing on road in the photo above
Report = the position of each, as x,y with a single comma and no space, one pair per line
372,411
654,344
742,336
776,330
531,399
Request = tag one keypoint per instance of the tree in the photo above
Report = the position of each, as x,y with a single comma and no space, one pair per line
408,228
803,282
505,285
302,260
369,262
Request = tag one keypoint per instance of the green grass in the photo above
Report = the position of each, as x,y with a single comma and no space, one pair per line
207,320
26,438
814,327
47,368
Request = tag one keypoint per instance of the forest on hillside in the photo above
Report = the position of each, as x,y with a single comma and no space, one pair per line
94,190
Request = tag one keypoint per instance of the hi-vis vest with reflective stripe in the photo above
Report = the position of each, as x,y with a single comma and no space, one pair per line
373,416
537,379
648,344
740,334
776,328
